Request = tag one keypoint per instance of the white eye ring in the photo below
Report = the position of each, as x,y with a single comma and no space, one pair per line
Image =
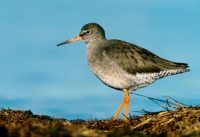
87,32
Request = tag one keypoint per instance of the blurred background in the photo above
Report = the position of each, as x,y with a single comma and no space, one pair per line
56,81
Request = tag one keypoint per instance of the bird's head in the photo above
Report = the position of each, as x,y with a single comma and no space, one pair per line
89,33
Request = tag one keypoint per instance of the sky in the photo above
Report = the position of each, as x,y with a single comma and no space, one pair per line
56,81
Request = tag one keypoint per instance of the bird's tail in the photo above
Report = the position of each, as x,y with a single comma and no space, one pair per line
182,65
170,65
175,68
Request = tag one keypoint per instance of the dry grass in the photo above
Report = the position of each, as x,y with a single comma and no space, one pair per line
184,122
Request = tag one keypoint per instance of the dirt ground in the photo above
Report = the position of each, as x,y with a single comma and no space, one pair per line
183,122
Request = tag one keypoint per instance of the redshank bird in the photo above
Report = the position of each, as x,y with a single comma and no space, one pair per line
122,65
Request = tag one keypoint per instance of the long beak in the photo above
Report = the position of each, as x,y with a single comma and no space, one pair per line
70,40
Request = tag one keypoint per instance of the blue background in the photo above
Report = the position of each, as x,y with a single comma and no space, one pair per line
37,75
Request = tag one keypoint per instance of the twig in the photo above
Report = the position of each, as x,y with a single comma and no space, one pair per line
176,103
169,102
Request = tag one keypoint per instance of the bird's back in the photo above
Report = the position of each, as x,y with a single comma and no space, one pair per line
134,59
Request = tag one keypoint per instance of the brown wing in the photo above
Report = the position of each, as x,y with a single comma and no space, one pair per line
134,59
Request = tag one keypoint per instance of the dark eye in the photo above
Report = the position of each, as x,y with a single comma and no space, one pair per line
87,32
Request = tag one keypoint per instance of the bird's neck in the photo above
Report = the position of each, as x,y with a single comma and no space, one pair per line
94,44
94,49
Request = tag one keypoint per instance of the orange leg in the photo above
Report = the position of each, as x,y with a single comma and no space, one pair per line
119,110
125,102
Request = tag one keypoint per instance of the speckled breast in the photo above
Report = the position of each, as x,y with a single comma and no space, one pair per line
108,71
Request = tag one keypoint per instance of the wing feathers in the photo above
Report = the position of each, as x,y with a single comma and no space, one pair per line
134,59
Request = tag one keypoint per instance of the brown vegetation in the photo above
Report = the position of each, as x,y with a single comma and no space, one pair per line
184,122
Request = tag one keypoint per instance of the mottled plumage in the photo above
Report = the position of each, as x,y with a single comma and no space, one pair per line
134,59
122,65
